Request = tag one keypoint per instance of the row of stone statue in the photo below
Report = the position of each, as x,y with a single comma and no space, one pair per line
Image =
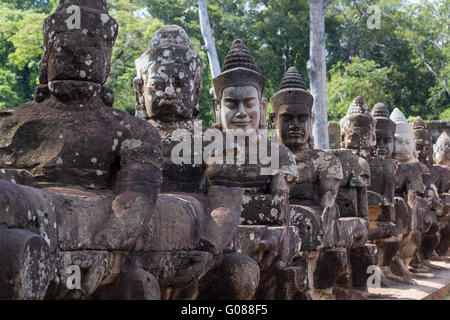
92,205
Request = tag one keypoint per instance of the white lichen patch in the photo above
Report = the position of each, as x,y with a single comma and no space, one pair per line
59,161
115,144
131,144
273,212
82,74
3,171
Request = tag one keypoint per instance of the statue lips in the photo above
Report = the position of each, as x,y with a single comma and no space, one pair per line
382,151
241,123
296,134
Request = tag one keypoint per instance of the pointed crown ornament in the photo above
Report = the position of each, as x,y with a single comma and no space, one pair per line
239,69
292,91
381,115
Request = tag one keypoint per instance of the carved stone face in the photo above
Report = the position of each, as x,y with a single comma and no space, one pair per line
405,148
442,150
241,108
295,124
385,143
80,53
442,157
92,62
357,138
171,89
424,149
169,79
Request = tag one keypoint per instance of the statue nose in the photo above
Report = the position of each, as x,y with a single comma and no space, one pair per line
241,111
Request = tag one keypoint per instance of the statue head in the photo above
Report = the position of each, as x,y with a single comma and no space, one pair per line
292,111
169,77
442,150
384,130
424,142
78,42
358,129
405,148
239,103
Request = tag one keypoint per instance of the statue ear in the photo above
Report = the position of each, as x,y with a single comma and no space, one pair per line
138,85
216,110
272,119
263,122
141,111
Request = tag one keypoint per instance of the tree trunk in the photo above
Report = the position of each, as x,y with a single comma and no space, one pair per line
317,70
210,44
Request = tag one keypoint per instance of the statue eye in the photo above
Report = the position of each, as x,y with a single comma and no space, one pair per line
229,104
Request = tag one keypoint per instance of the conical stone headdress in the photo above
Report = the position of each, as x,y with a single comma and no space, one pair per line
402,124
358,115
419,124
239,69
292,91
381,115
442,143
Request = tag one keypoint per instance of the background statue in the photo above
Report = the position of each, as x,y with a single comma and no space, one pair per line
358,142
409,188
312,198
184,243
265,232
383,230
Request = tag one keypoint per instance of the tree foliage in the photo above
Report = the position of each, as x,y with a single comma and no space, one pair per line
403,64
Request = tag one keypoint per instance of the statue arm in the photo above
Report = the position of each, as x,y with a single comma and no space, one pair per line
329,188
135,190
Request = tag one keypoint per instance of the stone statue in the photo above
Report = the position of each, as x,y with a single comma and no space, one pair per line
441,173
382,226
437,183
201,224
358,140
409,188
442,150
312,198
265,232
82,178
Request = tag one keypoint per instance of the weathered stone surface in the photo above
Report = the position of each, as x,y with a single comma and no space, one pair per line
361,258
135,284
330,264
334,133
94,266
175,269
169,82
25,264
352,232
309,224
230,280
93,172
442,150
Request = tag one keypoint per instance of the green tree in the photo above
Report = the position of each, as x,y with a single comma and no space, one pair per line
135,31
21,49
361,77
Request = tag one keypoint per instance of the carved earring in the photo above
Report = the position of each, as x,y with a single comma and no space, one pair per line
217,124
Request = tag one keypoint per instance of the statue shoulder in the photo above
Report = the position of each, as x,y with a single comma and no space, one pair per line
355,169
327,164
